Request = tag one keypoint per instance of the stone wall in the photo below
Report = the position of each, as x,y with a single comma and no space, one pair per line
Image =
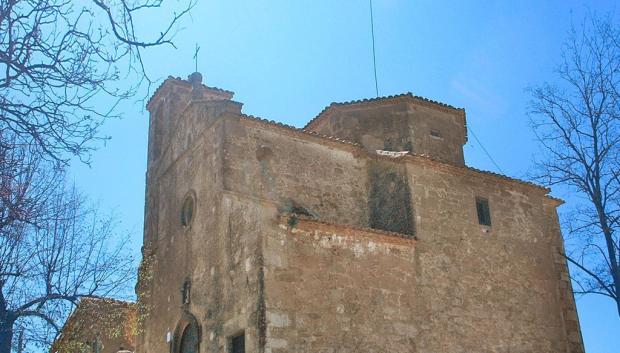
485,288
331,288
389,197
461,287
330,183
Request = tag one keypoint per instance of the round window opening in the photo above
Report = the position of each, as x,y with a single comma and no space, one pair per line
187,212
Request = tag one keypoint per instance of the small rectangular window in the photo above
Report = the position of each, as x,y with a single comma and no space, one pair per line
436,134
237,344
484,214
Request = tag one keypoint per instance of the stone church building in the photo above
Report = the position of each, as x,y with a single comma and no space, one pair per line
364,231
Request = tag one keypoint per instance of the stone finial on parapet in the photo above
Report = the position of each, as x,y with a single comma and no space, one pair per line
196,80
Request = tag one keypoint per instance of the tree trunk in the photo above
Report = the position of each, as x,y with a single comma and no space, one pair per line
611,250
6,332
7,319
615,271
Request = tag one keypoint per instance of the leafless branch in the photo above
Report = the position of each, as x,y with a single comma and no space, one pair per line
60,58
54,247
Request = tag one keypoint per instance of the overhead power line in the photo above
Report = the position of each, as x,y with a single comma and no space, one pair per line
485,150
374,56
374,63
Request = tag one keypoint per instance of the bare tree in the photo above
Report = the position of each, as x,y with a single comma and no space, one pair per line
59,57
54,250
577,122
64,66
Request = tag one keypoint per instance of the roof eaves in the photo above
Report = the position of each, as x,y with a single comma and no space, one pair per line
485,172
178,80
300,131
528,183
159,89
341,141
333,105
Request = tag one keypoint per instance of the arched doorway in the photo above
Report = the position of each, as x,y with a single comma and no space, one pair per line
189,340
187,335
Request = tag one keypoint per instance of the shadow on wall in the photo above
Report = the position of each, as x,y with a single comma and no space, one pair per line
389,199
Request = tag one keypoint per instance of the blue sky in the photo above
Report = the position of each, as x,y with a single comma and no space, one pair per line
286,60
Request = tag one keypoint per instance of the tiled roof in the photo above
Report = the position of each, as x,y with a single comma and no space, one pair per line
110,314
379,99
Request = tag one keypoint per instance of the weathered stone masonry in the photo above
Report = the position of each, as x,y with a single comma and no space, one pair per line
358,233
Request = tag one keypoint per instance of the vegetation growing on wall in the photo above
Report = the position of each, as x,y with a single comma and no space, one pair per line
115,322
143,288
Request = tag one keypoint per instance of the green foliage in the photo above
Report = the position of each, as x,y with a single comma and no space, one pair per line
145,278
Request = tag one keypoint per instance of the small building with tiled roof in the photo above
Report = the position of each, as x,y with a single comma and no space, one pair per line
98,325
364,231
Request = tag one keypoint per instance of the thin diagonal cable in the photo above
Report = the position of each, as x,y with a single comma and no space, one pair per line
485,150
374,55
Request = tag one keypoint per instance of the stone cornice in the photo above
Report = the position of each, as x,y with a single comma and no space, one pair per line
308,224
